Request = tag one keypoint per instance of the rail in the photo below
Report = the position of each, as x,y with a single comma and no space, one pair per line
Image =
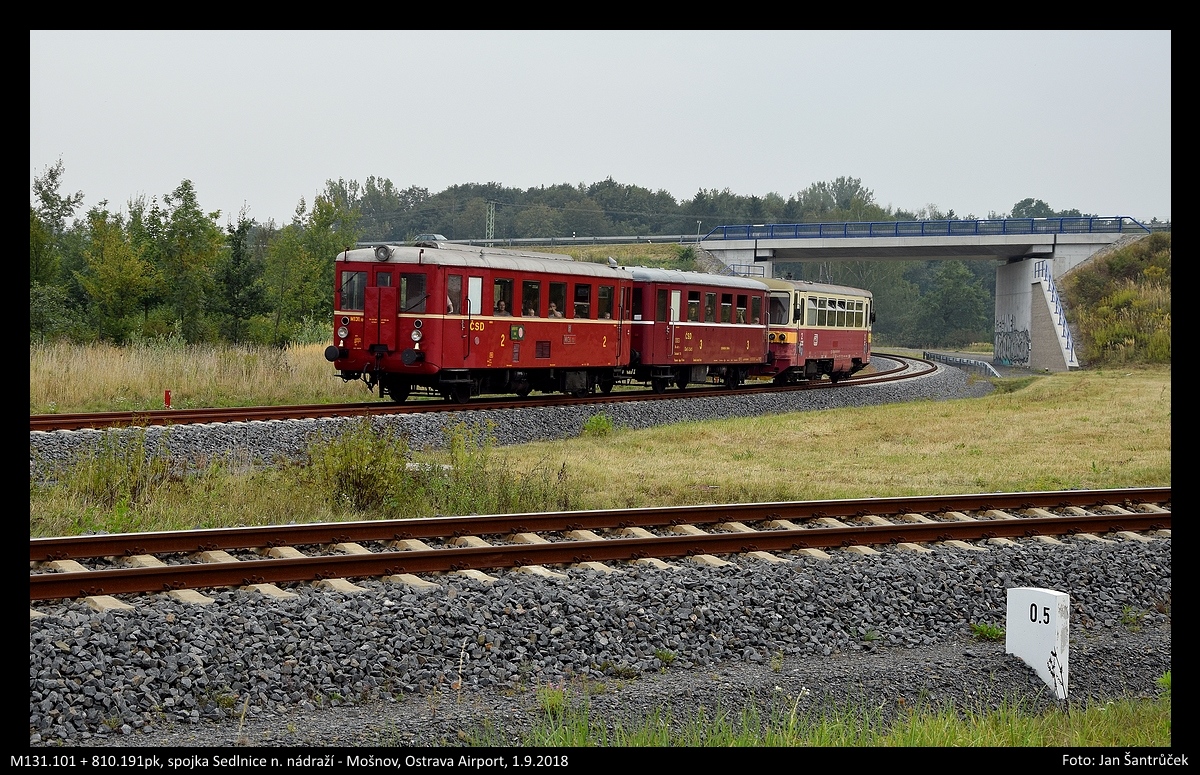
951,228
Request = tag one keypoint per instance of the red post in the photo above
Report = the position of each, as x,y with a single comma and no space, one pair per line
167,399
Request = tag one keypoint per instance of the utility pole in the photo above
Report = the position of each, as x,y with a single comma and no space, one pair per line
489,231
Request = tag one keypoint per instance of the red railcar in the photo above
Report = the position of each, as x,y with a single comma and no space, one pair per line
817,329
461,320
688,326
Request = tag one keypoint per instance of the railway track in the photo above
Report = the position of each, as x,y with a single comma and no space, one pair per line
182,564
902,368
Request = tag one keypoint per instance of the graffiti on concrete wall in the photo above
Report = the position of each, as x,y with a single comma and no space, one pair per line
1012,346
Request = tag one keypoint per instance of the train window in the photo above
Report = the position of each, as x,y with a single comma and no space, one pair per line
693,305
412,290
779,311
741,308
660,307
475,295
383,279
604,302
558,301
812,311
531,299
756,310
454,294
726,307
858,314
637,304
710,308
583,300
502,297
352,290
841,312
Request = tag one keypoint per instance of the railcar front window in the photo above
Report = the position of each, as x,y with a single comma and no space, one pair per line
756,310
779,310
353,291
412,288
660,308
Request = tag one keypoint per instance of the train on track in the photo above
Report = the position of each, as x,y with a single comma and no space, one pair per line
460,321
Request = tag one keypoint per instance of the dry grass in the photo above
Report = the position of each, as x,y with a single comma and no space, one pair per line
99,377
1079,430
1086,429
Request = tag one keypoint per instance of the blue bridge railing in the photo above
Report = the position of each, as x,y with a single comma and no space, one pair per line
997,226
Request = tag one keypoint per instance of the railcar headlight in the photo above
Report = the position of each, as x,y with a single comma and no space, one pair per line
343,332
416,335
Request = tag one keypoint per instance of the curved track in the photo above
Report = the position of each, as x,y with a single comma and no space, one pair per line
905,368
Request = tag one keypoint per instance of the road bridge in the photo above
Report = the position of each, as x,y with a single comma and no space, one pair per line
1030,321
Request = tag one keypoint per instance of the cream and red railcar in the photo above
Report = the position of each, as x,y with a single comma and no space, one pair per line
461,320
816,329
690,326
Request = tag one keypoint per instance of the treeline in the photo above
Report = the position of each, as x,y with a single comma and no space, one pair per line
169,269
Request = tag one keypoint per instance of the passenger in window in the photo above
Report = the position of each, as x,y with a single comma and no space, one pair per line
554,313
449,306
530,312
502,309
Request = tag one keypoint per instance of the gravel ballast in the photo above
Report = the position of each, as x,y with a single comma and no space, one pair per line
394,666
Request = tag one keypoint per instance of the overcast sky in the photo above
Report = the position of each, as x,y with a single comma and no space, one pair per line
969,121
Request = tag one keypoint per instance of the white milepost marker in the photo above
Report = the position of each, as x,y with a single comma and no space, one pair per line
1038,632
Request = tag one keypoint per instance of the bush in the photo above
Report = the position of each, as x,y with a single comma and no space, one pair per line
598,425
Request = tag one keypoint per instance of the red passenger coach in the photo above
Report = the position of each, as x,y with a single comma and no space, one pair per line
462,320
688,326
817,329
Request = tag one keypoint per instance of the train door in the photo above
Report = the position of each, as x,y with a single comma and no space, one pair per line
676,305
473,305
380,301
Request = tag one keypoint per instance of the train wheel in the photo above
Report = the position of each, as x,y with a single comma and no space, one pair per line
459,394
658,385
834,376
523,390
681,381
606,384
731,379
398,391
